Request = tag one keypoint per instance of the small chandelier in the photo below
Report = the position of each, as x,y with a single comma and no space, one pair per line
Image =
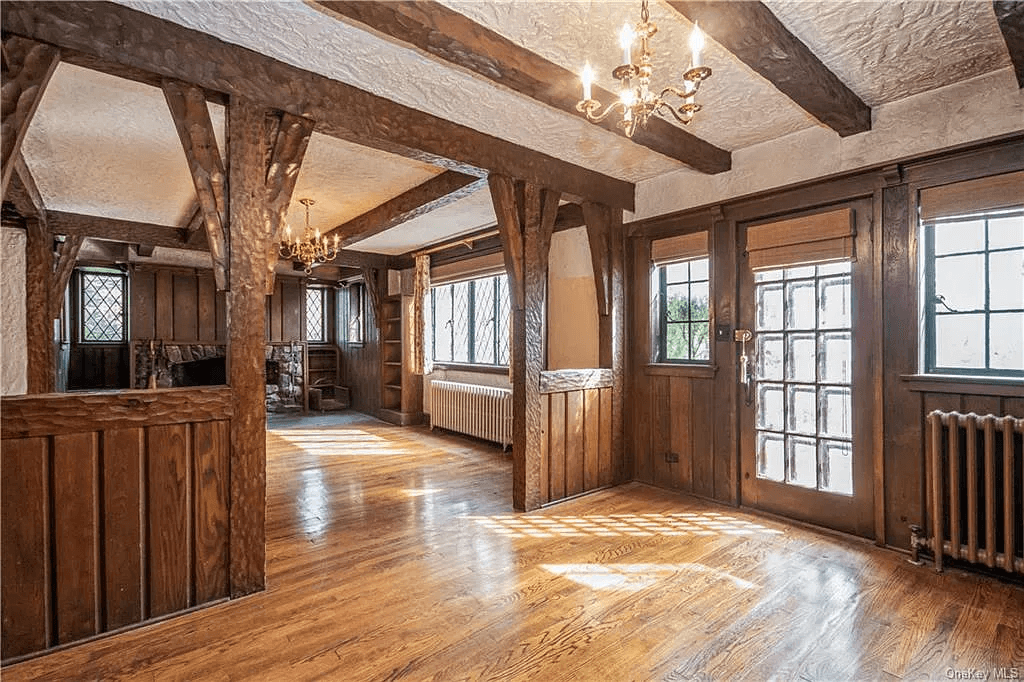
312,248
639,102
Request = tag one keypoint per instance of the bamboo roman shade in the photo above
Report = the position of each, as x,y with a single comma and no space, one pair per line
471,268
818,238
973,196
680,247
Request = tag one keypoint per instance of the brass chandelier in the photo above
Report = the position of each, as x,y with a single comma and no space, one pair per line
312,248
638,101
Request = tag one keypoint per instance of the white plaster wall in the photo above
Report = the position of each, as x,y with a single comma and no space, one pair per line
982,108
572,302
13,342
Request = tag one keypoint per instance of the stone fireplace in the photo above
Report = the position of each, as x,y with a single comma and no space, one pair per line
194,364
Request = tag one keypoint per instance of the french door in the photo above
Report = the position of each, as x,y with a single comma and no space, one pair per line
806,391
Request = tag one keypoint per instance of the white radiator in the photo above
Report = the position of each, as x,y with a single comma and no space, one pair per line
481,411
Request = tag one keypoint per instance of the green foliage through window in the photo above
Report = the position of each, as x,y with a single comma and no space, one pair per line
684,312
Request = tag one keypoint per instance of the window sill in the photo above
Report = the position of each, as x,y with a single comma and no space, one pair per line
681,370
482,369
957,383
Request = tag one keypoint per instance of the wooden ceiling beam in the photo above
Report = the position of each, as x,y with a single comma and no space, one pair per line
757,38
27,68
24,193
143,42
1010,15
191,116
459,40
290,138
113,229
436,192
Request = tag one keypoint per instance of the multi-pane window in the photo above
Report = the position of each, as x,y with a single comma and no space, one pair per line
683,311
354,313
803,376
102,297
974,294
316,315
469,321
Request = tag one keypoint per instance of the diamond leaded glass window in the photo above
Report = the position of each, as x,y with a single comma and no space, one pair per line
102,297
315,318
469,321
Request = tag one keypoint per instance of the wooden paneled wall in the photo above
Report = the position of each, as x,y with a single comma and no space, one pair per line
175,304
286,310
576,439
692,413
361,365
114,511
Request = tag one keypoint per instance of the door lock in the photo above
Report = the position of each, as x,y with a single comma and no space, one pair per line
742,336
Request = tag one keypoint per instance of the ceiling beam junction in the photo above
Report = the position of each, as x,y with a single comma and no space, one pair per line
757,38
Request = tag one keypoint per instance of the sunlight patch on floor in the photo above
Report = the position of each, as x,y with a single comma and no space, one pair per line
633,577
619,525
345,443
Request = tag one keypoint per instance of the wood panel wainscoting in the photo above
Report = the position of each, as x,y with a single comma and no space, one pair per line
114,511
392,555
576,439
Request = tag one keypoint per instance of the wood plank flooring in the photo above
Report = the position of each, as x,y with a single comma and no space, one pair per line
392,555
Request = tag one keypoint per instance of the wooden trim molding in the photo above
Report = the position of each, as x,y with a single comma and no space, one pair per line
664,369
562,380
965,385
32,416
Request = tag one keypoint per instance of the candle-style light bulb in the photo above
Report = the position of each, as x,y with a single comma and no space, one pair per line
688,87
335,242
626,97
696,45
587,77
626,40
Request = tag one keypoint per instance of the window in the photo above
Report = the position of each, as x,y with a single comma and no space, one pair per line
102,297
316,322
683,311
974,294
354,313
470,321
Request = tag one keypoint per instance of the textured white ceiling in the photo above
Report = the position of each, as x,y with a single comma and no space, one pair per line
106,146
885,50
467,215
347,180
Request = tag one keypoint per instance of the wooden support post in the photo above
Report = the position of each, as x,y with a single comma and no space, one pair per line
526,220
62,274
290,141
39,323
371,277
420,291
195,130
604,231
247,150
27,68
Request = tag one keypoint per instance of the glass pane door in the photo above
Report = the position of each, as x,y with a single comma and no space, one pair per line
803,377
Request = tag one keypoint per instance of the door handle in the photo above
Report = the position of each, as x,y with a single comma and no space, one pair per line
746,376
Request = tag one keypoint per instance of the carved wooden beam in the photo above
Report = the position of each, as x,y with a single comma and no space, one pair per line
598,220
39,321
193,227
24,193
113,229
195,130
457,39
115,33
290,141
1010,15
757,38
27,67
526,220
67,254
436,192
247,146
371,277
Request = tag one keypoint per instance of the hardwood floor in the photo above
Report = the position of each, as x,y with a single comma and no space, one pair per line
392,555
